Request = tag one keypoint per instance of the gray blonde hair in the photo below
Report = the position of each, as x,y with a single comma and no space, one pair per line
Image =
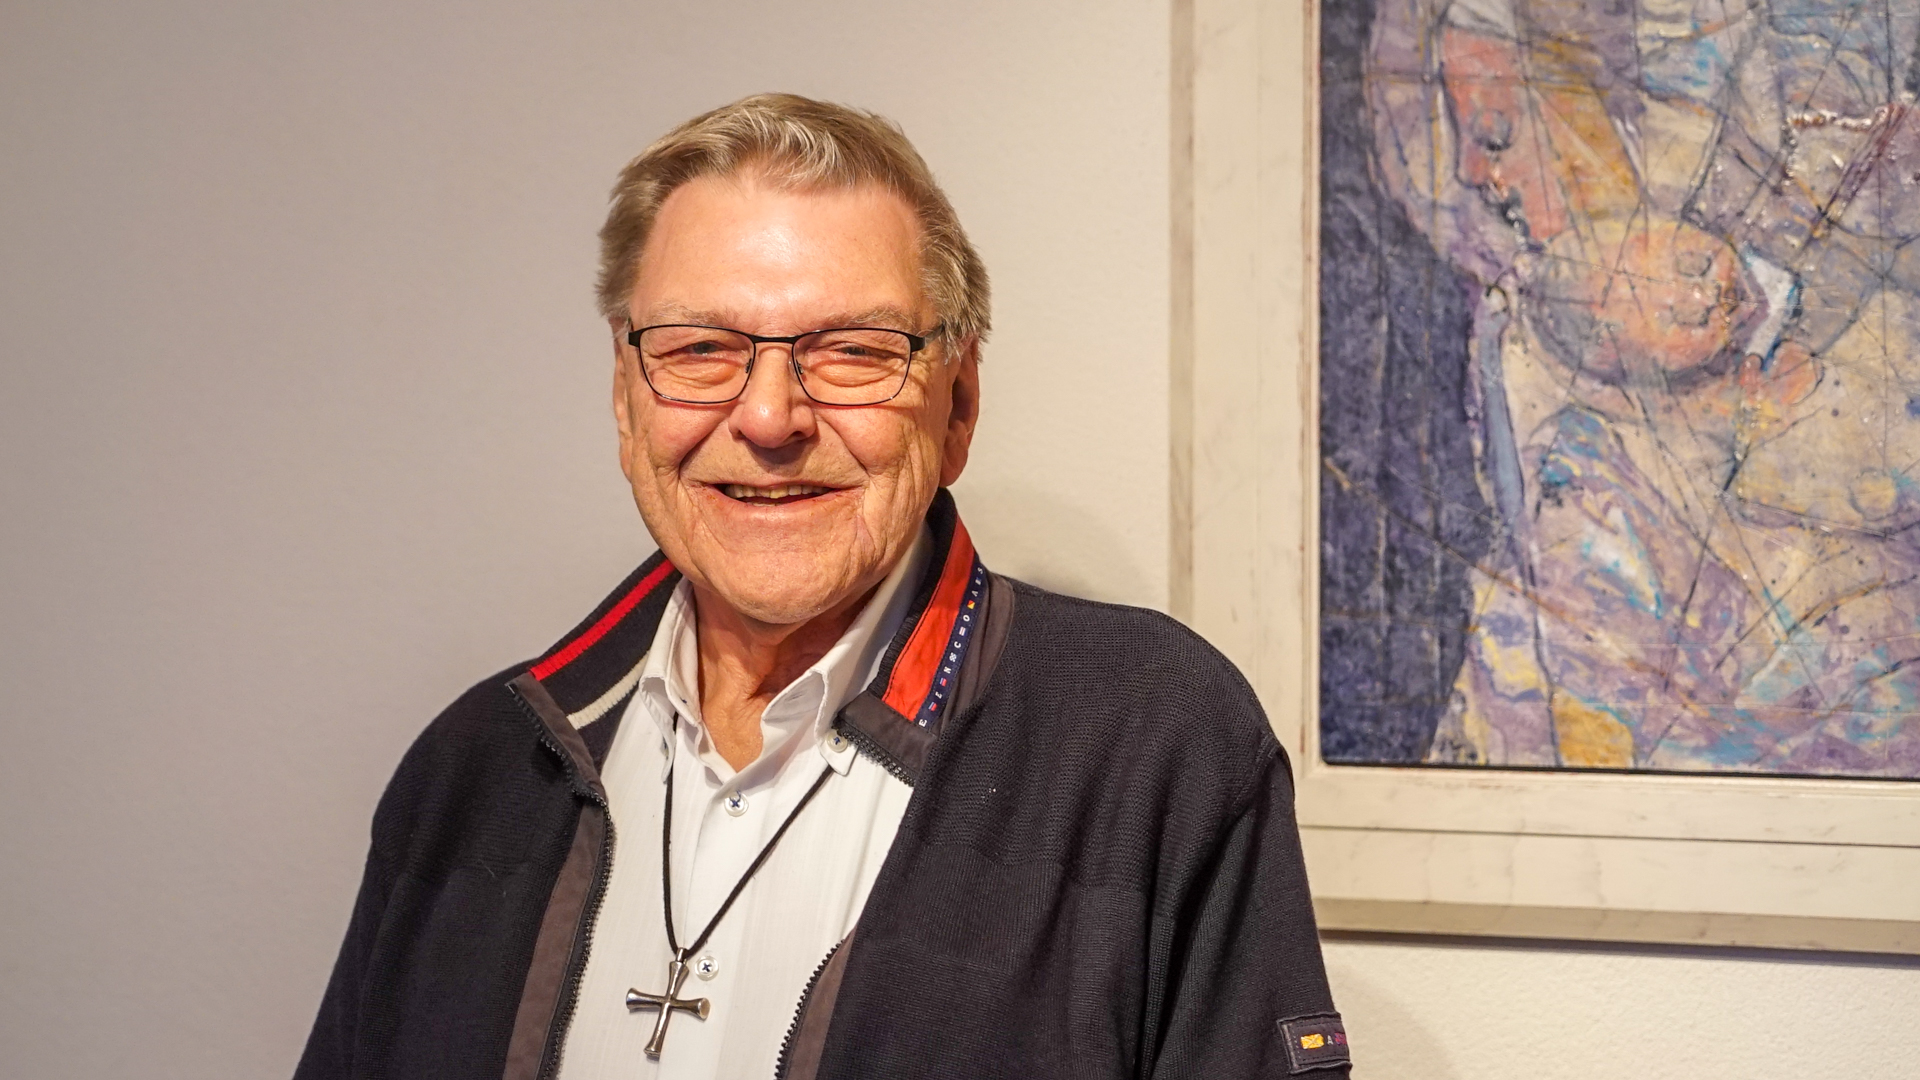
802,143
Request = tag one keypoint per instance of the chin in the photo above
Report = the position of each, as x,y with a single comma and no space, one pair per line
785,599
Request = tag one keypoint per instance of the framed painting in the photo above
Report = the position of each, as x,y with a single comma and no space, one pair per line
1546,447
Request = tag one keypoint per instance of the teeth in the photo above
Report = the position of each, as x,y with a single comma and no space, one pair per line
742,491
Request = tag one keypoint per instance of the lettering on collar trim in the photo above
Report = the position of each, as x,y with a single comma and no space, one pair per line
921,680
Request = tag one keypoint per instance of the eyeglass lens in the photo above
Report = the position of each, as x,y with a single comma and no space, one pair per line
704,365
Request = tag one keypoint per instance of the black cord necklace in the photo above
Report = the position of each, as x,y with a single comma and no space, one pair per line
677,967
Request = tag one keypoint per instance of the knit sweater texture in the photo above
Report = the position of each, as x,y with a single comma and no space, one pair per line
1099,875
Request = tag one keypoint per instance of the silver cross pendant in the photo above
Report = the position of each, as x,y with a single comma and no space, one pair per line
666,1003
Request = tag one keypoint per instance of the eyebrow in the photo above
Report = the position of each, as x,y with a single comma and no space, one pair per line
886,316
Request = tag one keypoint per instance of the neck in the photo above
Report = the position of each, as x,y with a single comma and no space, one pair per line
745,662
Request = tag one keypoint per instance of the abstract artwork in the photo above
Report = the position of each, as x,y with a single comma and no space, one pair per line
1620,385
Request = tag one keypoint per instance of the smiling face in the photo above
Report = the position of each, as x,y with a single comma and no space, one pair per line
778,506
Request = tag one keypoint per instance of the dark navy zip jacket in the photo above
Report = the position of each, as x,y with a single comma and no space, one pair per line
1098,875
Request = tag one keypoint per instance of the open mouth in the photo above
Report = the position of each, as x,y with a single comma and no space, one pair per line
773,496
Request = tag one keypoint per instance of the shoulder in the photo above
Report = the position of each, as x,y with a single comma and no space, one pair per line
460,760
1154,682
485,715
1109,739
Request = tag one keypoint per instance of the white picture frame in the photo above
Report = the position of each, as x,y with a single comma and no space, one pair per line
1735,860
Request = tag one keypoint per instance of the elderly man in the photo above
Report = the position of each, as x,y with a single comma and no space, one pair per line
812,793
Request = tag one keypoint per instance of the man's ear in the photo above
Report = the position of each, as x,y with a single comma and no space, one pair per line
622,407
963,410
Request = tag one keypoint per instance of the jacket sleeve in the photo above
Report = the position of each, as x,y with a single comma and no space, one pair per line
330,1046
1249,990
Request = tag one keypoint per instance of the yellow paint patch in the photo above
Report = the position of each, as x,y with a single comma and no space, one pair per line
1312,1042
1874,493
1513,668
1590,738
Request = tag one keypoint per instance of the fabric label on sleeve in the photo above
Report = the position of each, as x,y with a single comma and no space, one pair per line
1315,1042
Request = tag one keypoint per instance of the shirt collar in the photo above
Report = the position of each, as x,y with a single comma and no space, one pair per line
803,711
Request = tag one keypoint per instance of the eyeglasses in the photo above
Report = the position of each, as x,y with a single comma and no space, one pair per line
710,365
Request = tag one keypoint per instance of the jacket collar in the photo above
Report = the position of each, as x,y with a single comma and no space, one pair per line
592,668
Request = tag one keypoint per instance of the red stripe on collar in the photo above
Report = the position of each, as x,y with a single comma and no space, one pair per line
919,661
570,651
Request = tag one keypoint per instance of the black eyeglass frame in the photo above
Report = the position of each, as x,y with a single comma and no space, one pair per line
916,343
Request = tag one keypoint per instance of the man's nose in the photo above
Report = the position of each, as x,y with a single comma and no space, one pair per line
774,409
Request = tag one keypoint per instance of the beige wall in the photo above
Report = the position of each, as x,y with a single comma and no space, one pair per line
1449,1011
302,413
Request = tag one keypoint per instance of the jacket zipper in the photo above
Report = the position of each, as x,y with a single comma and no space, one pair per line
596,895
589,916
868,746
806,996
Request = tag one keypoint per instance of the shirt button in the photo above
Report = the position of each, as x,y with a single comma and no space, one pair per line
706,967
837,742
735,803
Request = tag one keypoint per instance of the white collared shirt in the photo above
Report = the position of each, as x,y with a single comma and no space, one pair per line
801,903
